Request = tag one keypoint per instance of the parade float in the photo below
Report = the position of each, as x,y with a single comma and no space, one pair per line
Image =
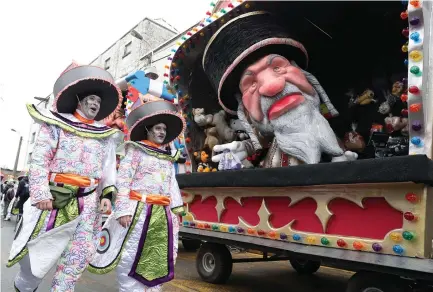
353,190
357,196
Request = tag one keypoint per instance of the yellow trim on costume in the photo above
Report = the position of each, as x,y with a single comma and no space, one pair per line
155,153
37,116
108,190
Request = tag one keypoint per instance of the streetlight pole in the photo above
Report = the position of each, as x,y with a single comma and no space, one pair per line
138,36
17,158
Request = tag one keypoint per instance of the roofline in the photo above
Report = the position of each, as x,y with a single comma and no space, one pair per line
146,18
169,41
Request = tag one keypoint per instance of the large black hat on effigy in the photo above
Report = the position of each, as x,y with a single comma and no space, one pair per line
227,42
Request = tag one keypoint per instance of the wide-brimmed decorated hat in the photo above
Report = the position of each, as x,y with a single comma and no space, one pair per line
151,113
80,81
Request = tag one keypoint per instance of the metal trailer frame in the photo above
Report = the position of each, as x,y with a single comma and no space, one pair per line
414,269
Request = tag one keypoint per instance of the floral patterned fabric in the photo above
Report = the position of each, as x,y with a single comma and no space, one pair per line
59,151
145,174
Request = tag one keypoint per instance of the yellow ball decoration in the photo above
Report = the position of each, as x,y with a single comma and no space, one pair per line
247,6
224,228
396,236
404,49
415,55
311,239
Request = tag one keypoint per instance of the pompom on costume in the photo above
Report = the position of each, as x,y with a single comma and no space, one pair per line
144,253
74,156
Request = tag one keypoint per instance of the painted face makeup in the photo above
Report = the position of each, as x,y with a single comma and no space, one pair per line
157,133
90,106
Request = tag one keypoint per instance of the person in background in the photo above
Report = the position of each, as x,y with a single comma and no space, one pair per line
8,197
22,195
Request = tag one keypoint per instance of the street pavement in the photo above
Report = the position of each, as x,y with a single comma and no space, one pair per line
246,277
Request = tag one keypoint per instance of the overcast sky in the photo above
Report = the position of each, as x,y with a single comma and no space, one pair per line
39,39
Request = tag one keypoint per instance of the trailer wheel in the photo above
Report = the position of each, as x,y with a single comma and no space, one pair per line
305,267
364,281
214,263
191,244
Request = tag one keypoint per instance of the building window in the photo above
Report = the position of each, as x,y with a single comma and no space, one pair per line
107,64
29,158
147,60
127,49
33,138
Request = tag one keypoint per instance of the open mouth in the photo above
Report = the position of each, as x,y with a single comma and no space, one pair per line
93,109
284,104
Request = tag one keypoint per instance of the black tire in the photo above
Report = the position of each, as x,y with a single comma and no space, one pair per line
305,267
214,263
191,244
377,282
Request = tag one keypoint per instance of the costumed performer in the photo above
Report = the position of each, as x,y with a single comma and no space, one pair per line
140,238
73,167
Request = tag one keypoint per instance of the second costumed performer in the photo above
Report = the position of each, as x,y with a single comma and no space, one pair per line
140,237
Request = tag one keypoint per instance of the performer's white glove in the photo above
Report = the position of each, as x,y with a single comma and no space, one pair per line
237,147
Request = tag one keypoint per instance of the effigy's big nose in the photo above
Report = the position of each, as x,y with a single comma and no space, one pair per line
271,86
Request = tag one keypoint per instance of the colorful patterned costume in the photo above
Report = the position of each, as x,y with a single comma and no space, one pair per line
144,253
79,156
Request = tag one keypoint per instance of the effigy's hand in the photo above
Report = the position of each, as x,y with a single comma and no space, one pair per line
45,205
105,206
237,147
125,221
347,156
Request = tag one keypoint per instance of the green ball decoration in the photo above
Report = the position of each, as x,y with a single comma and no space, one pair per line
324,241
215,227
408,235
414,70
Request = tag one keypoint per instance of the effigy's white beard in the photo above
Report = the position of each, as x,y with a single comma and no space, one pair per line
301,132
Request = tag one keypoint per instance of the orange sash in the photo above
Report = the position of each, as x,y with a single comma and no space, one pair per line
150,199
74,180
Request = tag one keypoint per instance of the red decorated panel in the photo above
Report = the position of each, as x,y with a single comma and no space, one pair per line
348,218
375,220
204,211
247,211
303,212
